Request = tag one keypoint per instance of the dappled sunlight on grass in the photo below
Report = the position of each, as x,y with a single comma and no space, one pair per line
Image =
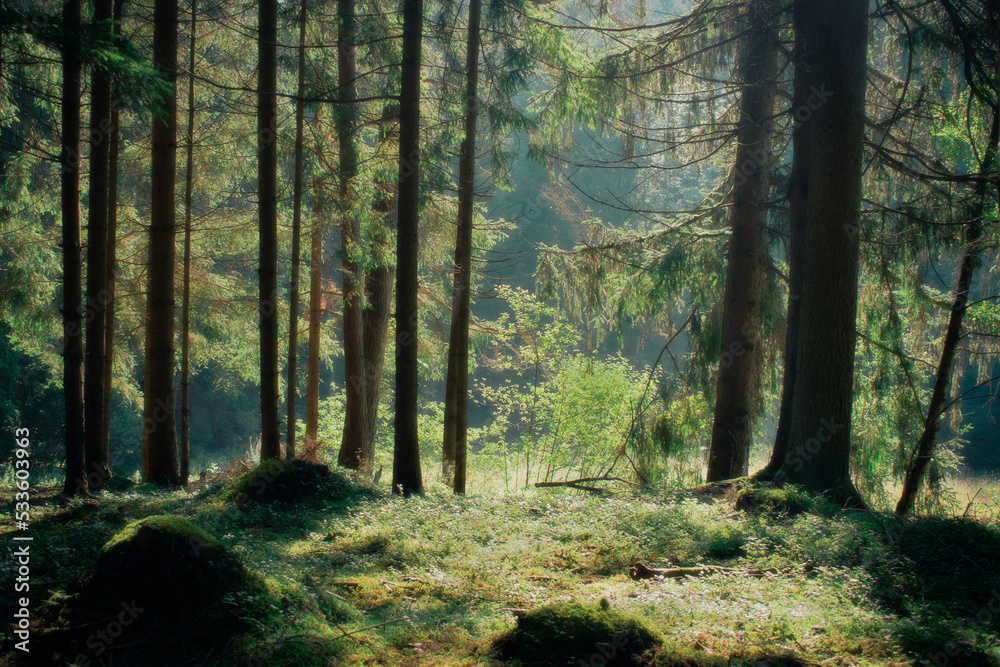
379,579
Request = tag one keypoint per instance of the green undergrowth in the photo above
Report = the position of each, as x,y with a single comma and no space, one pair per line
348,575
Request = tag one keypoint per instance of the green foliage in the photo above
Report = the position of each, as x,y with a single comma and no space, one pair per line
565,412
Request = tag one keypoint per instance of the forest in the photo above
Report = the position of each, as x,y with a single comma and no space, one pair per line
500,332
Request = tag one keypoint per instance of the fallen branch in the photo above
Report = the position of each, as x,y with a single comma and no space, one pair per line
579,484
640,571
345,633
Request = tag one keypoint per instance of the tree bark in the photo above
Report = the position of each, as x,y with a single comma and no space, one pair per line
738,385
456,409
75,483
97,455
936,409
798,189
378,305
111,259
315,314
819,445
353,445
293,288
267,166
159,460
186,303
406,475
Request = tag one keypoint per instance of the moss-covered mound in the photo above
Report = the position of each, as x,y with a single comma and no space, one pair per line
169,560
119,484
292,481
160,593
782,500
567,633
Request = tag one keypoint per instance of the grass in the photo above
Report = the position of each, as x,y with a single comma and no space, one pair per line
359,577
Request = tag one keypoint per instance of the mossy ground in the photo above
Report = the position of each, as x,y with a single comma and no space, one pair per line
360,577
565,633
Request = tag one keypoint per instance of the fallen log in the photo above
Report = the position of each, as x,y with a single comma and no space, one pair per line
579,484
640,571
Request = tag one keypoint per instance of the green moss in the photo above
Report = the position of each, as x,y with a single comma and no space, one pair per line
368,542
566,633
119,483
786,500
170,527
167,583
293,481
725,542
168,561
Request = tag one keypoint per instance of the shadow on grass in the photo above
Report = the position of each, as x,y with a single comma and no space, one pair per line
940,576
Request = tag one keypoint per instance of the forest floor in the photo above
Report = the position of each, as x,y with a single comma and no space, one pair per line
359,577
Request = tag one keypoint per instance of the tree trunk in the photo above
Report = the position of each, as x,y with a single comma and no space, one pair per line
186,304
819,445
97,455
456,410
293,287
942,382
111,260
797,195
738,386
267,166
159,443
406,475
315,313
353,445
75,483
378,305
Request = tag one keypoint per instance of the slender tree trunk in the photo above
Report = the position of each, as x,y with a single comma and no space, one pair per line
353,445
406,475
293,288
378,299
456,408
186,304
738,386
159,450
818,455
112,254
798,189
267,166
936,409
75,483
315,314
98,457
